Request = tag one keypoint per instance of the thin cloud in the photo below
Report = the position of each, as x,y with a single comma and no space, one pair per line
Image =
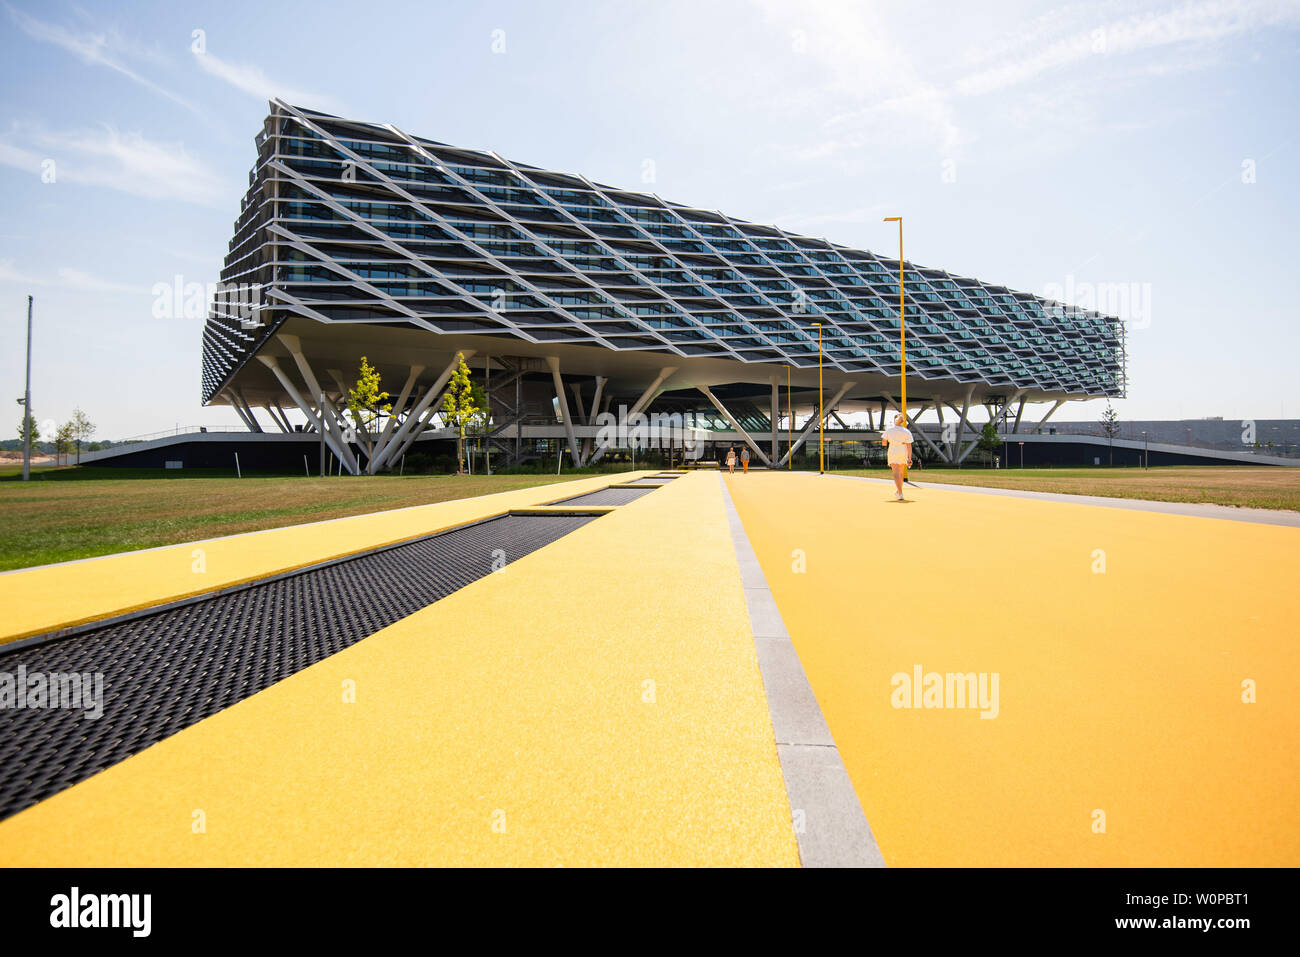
1211,21
95,49
250,79
882,95
10,273
803,223
69,278
873,93
123,161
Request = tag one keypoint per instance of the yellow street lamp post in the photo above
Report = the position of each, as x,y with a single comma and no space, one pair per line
902,340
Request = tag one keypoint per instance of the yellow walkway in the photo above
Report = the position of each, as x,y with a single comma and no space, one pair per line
1119,691
50,597
598,702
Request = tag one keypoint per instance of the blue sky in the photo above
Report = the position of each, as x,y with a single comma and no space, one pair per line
1084,148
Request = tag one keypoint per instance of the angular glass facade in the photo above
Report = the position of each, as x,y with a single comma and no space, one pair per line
348,222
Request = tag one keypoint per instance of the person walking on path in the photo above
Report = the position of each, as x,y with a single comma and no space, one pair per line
899,440
731,459
744,459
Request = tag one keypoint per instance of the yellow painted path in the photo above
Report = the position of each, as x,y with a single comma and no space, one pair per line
50,597
598,702
1119,691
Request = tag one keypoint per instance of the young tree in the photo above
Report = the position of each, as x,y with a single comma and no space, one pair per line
989,440
82,430
367,404
25,423
63,442
1110,428
458,407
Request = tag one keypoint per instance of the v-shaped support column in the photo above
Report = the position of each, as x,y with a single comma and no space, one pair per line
342,453
409,425
812,424
734,424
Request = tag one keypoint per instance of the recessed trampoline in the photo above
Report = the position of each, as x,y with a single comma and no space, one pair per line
608,496
168,669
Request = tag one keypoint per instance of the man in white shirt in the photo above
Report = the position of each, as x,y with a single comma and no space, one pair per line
899,440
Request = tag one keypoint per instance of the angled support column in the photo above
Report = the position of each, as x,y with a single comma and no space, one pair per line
396,440
306,408
364,439
647,397
967,451
1020,411
651,391
284,418
810,425
239,411
961,428
590,417
1050,413
329,419
578,404
1004,412
405,394
554,363
277,416
248,411
734,424
912,420
412,435
595,400
946,454
776,411
943,457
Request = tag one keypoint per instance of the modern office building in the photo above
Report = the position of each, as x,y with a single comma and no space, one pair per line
569,298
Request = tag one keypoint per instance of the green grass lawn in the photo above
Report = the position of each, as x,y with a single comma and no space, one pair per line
1222,485
68,513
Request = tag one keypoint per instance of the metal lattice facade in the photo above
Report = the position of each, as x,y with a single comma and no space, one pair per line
348,222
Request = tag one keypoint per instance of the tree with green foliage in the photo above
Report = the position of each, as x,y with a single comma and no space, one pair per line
1110,428
25,423
989,440
459,408
367,404
82,430
63,441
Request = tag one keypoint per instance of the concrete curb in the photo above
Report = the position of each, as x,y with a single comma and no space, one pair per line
829,824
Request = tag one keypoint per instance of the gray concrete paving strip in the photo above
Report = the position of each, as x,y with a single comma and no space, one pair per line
1261,516
827,817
